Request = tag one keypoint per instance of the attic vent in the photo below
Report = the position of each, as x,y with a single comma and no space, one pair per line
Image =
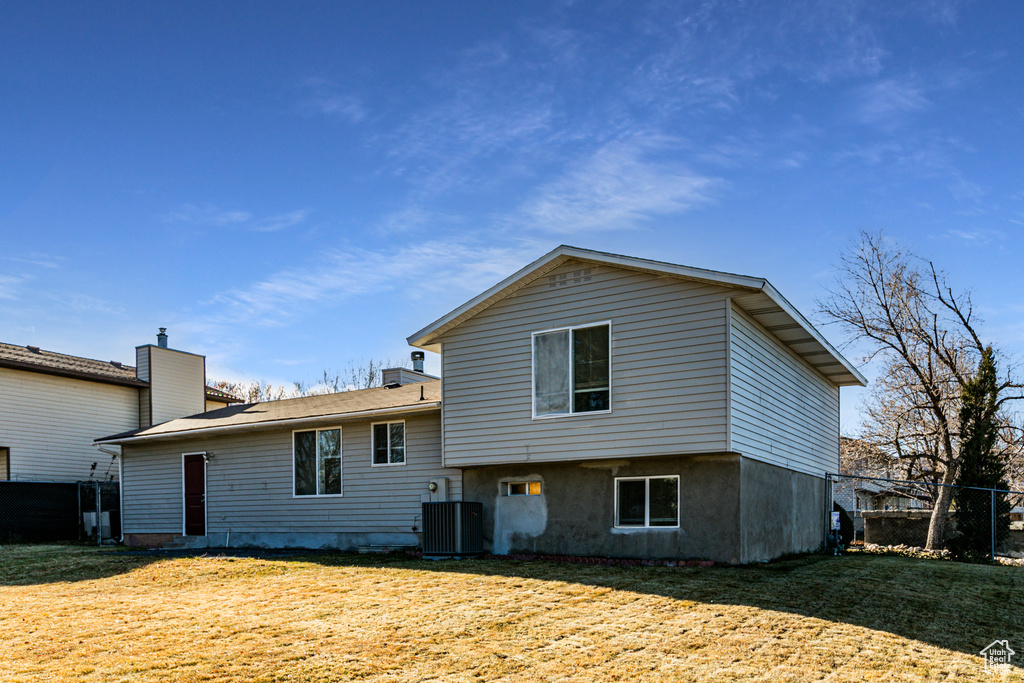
33,349
574,277
116,363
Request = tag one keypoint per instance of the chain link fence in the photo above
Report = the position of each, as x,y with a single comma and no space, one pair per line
874,511
46,511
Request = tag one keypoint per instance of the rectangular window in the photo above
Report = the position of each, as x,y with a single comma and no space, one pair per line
647,502
388,443
5,464
316,457
523,488
571,370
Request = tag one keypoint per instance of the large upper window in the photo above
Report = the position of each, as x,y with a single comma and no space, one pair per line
317,462
571,370
389,443
647,502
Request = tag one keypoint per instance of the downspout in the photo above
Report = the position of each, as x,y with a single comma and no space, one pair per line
115,451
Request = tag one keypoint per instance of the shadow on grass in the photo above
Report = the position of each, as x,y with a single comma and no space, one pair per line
955,606
34,564
958,607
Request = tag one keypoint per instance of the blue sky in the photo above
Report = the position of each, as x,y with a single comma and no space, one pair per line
291,186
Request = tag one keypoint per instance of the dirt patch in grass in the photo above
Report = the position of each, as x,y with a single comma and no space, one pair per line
84,614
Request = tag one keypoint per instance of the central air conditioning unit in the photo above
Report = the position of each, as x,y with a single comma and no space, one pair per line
453,529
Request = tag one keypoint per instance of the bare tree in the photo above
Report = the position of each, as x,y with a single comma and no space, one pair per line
364,374
925,338
254,391
863,459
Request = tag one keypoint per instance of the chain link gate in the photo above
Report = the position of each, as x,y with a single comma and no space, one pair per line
46,511
881,512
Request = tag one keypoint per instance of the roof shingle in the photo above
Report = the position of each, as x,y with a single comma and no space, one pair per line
34,359
345,405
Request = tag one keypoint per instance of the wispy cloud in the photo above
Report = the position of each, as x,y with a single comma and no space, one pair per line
412,219
86,304
620,186
708,55
207,214
326,98
211,216
10,284
418,270
39,260
976,237
886,102
438,149
281,221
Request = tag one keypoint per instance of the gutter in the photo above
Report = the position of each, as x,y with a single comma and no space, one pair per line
275,424
73,374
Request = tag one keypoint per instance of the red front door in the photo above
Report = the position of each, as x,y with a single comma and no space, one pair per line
195,495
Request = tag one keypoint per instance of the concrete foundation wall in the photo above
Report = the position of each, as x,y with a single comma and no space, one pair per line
575,514
899,527
318,541
731,509
782,511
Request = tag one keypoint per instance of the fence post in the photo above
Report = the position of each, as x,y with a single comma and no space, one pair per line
992,509
828,512
81,521
99,514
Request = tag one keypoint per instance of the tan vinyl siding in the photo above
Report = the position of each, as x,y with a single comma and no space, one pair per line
49,423
668,370
783,412
249,483
142,372
177,384
142,362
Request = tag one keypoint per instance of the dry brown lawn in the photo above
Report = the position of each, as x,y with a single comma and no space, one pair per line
75,613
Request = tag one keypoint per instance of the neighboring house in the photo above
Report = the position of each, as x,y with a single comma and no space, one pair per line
858,495
53,405
594,404
337,470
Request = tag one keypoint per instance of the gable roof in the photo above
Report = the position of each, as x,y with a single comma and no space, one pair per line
294,412
755,295
35,359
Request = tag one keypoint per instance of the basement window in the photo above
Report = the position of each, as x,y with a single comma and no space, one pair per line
571,370
523,488
316,460
647,502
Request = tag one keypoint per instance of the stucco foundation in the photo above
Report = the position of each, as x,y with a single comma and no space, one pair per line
732,509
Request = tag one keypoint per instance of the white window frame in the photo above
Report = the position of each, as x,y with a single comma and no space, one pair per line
405,444
341,462
647,502
510,484
572,378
